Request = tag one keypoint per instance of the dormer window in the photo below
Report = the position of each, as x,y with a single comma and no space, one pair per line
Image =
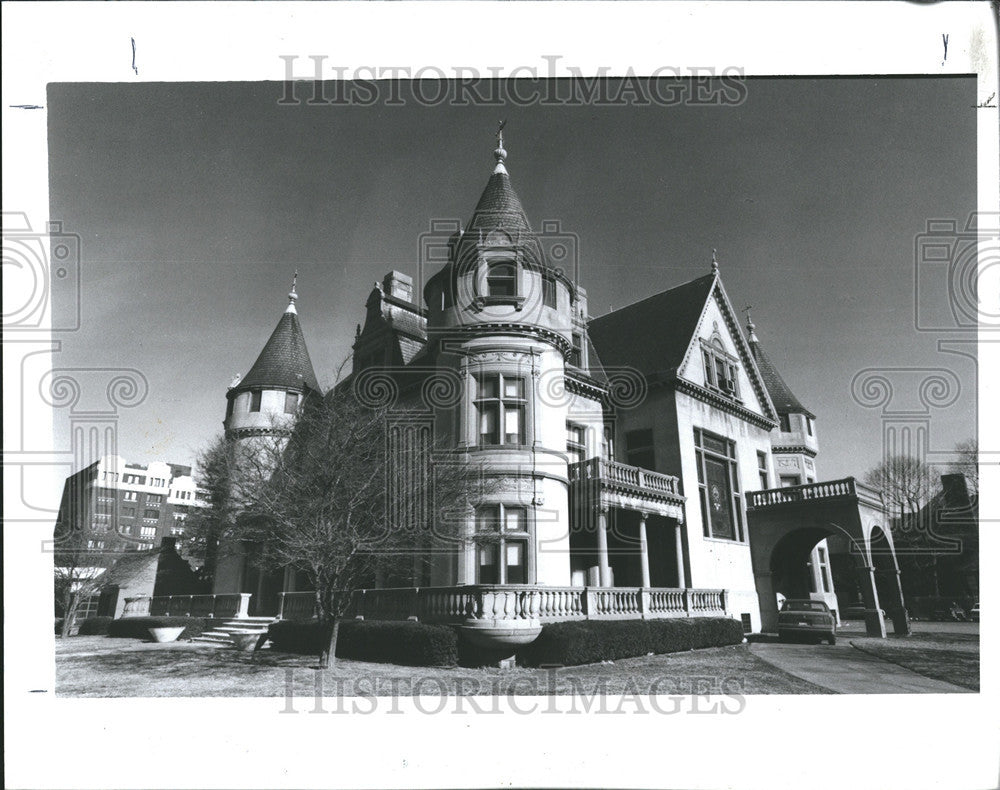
501,279
721,372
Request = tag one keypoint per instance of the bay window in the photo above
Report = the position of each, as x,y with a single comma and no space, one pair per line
501,410
501,544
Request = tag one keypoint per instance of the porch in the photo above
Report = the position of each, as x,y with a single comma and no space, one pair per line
518,602
626,523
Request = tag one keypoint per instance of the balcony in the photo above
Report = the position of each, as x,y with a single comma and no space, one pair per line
614,484
846,489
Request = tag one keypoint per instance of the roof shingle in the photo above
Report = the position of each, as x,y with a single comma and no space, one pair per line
284,363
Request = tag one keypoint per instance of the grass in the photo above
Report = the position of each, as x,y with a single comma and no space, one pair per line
953,658
105,667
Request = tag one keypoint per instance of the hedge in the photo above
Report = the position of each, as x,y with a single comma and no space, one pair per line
138,627
590,641
95,626
407,643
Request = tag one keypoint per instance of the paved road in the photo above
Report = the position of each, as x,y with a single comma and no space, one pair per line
847,670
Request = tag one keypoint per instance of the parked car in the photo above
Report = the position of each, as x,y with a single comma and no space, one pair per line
804,618
974,613
856,611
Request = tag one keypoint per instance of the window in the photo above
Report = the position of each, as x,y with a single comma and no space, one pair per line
576,442
255,400
501,544
784,423
128,512
99,527
639,448
125,529
787,481
721,372
548,289
135,479
809,425
157,482
177,531
500,404
762,469
154,499
111,477
148,532
151,514
576,352
608,443
95,544
824,569
130,496
501,279
719,486
291,402
105,493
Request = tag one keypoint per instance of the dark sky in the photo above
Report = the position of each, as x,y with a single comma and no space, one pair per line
196,202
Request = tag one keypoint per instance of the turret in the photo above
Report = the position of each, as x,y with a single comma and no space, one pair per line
266,400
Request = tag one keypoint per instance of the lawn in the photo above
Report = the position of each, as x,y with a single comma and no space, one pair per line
953,658
97,666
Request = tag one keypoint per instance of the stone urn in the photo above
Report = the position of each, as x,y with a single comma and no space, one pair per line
244,639
166,634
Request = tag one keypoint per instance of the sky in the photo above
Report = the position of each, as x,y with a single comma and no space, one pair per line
196,202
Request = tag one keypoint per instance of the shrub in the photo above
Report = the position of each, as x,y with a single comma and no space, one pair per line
406,643
95,626
138,627
590,641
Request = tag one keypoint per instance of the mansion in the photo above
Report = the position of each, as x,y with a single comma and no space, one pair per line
650,462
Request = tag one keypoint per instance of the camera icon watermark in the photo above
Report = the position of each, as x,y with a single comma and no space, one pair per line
33,277
957,275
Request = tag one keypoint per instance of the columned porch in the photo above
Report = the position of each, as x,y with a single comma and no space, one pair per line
626,526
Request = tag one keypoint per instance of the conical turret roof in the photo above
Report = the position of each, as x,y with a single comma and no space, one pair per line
284,363
781,394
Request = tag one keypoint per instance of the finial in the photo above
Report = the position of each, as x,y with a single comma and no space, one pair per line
751,334
715,262
292,295
500,153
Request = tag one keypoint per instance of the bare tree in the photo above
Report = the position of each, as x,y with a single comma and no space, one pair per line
967,463
349,489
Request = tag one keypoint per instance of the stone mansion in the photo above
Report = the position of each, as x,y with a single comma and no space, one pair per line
652,461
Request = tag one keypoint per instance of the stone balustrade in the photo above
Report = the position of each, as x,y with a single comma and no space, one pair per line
624,476
848,487
230,605
518,602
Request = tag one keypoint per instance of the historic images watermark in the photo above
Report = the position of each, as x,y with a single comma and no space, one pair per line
313,80
552,692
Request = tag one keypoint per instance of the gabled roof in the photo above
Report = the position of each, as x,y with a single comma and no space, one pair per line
781,395
653,335
284,363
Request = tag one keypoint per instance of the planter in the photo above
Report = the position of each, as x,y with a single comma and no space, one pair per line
244,640
166,634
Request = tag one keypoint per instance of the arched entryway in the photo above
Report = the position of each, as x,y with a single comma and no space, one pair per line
785,527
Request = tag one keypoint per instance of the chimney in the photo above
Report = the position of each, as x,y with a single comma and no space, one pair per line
398,285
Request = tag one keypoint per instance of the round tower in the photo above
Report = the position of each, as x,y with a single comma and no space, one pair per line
502,316
264,402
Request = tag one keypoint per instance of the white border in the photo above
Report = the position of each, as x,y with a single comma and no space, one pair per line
921,741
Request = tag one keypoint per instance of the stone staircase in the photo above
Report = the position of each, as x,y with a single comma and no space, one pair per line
220,635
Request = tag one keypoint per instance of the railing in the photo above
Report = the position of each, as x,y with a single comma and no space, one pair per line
229,605
518,602
805,493
619,475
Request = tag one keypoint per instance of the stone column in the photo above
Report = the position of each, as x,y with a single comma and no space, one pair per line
602,545
895,607
874,622
643,550
679,544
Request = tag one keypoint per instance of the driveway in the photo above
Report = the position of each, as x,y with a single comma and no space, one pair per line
846,670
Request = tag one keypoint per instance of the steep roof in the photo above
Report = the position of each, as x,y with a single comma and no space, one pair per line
781,394
653,335
499,207
284,363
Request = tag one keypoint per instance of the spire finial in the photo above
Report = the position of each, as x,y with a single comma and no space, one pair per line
500,153
293,295
751,334
715,262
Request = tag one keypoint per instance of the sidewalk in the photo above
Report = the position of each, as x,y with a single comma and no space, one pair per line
846,670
